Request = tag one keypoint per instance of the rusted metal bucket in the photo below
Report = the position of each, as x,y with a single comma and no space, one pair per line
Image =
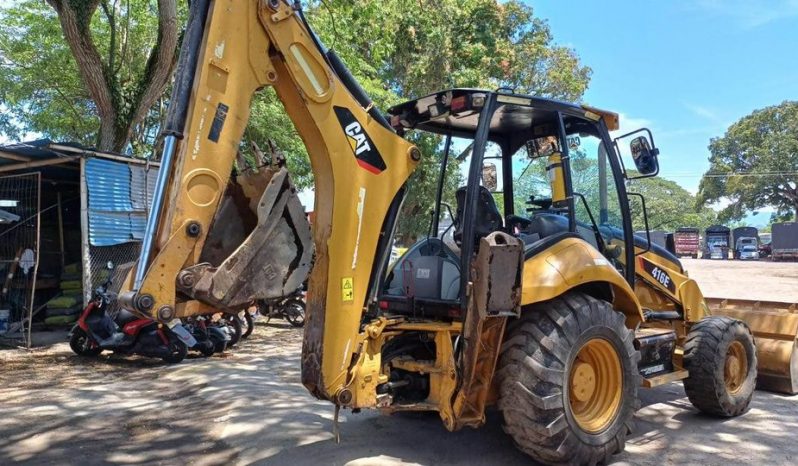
775,328
258,247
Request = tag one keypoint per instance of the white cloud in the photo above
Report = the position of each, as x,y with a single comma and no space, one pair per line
748,14
702,111
629,124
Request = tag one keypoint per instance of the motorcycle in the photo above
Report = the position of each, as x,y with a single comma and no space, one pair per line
291,308
216,337
96,331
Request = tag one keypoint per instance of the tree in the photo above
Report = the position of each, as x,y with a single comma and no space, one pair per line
399,50
668,205
98,79
755,164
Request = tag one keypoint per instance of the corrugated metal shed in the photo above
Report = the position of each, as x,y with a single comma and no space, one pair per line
119,196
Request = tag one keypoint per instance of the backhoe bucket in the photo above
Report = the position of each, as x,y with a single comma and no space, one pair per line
775,328
249,256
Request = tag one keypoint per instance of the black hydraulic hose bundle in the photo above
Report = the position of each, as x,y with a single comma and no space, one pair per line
186,66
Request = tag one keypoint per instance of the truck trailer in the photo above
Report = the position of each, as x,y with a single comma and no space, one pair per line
686,242
784,241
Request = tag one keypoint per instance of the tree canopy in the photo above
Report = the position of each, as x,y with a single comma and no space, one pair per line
669,206
89,71
95,71
755,164
399,50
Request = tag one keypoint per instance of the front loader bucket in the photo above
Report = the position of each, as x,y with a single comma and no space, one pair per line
775,328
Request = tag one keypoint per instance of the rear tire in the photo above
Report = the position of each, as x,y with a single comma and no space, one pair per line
177,351
568,380
209,349
82,345
294,312
721,357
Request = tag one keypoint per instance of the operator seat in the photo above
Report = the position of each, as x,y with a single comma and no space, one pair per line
487,220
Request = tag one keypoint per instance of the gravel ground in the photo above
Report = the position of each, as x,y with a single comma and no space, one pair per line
770,281
247,407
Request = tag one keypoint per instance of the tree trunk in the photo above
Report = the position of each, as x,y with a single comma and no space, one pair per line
118,112
160,66
75,26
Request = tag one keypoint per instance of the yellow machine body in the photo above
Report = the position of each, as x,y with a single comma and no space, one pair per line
360,167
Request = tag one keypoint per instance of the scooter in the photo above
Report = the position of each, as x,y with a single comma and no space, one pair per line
95,331
210,339
291,308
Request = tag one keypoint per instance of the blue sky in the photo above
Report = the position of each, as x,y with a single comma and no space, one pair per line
685,69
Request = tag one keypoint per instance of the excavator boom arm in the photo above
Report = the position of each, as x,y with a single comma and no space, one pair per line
359,166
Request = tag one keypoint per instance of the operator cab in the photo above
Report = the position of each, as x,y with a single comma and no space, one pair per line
539,169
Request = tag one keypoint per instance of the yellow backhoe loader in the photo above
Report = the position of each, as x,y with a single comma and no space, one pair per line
537,298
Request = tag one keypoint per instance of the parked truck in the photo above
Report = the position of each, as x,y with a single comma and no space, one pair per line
716,242
764,244
784,241
746,243
686,242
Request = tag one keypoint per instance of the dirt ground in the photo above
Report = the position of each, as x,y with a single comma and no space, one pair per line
768,281
248,407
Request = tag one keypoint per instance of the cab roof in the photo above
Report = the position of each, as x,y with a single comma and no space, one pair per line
456,112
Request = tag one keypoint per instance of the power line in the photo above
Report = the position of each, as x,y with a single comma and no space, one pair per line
727,175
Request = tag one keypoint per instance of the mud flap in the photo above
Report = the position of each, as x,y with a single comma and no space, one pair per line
496,294
273,261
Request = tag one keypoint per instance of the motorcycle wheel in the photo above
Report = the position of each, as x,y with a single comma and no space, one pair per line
177,352
235,323
294,312
249,324
208,350
81,344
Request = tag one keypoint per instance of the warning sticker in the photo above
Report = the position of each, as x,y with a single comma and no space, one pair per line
347,289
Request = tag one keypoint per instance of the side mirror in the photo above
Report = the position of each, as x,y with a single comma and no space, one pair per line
644,156
489,177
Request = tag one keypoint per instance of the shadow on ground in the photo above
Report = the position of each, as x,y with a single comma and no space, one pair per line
248,407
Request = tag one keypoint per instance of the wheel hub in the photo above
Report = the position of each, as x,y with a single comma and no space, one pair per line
595,384
583,381
735,367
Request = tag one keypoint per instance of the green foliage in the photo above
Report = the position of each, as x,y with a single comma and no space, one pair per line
41,90
755,164
399,50
669,206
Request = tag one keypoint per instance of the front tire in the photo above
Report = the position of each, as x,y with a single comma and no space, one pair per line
720,356
249,324
82,344
568,380
177,351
